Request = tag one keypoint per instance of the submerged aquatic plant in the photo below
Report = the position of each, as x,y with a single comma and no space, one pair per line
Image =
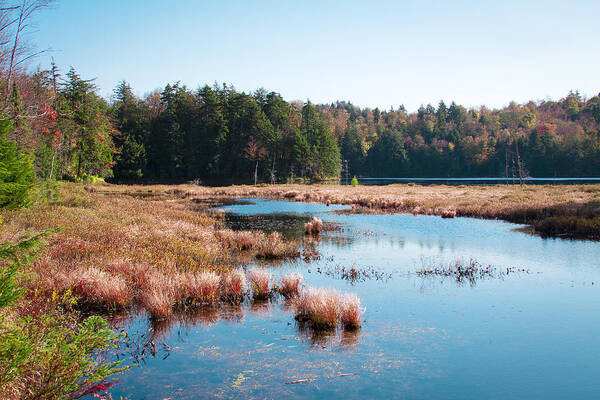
470,271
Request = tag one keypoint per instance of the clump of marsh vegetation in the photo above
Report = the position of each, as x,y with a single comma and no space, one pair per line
313,227
470,271
260,283
326,308
350,311
319,306
199,288
290,284
271,246
233,285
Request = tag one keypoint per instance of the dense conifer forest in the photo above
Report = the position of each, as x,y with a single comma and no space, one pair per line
218,135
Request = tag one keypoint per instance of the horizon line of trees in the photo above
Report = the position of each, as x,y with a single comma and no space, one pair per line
217,135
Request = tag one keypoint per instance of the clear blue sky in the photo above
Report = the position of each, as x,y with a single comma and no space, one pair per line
374,54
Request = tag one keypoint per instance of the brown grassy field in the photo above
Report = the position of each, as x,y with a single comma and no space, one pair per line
112,249
564,211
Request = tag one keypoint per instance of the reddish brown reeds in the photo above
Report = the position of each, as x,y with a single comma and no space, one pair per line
131,241
97,288
199,287
274,246
289,285
313,227
270,246
233,285
241,240
159,295
350,311
320,307
556,210
260,283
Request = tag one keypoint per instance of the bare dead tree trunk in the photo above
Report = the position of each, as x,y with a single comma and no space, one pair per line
506,164
14,51
256,173
273,171
20,53
52,162
519,165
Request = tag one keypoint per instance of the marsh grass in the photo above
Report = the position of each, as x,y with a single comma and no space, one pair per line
324,309
119,245
351,311
290,284
233,285
260,283
319,306
199,288
314,226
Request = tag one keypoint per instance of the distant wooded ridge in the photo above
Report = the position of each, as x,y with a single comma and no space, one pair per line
218,135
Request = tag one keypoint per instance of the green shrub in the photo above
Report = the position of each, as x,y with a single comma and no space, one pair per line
45,352
16,172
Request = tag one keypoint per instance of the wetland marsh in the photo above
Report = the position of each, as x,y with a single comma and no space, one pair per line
526,328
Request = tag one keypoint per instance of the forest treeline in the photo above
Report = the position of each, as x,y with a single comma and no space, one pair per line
218,135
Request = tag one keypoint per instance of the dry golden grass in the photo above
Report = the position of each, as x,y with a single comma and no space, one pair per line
324,308
350,311
319,306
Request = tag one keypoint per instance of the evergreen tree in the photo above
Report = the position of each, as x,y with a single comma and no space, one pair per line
16,172
130,160
87,131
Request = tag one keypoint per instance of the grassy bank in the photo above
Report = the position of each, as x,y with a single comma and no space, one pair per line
559,211
115,249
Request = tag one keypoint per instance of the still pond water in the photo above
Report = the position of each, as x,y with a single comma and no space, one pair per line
532,332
